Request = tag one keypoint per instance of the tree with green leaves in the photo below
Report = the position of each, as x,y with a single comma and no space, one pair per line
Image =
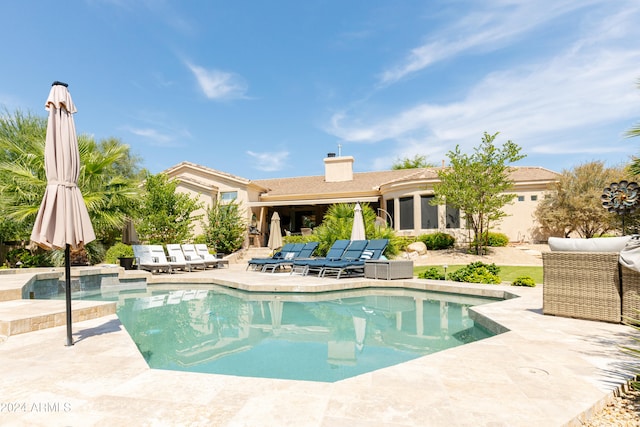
416,162
108,177
166,216
338,223
634,168
225,227
478,185
574,204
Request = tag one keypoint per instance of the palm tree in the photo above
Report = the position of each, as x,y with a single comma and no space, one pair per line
634,168
338,222
109,195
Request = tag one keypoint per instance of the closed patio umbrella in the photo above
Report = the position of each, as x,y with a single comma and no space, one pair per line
275,233
62,221
129,234
357,232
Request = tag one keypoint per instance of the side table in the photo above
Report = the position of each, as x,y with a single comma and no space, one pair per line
388,269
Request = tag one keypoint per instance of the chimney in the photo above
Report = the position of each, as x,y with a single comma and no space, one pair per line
338,169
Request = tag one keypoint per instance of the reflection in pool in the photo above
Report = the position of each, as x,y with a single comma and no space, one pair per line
317,337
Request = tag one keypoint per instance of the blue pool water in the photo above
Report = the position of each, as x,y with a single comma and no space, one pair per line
317,337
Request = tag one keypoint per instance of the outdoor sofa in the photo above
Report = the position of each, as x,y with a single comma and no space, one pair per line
583,279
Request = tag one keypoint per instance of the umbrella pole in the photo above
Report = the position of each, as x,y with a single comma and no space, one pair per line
67,291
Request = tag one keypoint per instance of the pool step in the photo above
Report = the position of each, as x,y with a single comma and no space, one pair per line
22,316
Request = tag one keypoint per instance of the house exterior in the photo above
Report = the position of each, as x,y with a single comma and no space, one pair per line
401,198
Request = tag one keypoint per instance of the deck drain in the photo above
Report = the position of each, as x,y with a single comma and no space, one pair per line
532,371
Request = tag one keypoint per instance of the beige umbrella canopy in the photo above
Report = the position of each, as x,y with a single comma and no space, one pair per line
62,221
63,218
275,233
357,232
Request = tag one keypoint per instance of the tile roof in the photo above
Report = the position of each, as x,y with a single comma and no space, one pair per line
369,182
175,170
363,183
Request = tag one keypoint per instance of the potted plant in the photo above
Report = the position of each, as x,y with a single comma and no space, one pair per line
123,253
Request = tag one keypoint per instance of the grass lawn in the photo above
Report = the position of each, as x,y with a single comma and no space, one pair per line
508,273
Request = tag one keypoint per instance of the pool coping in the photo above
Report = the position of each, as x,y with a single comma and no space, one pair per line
544,371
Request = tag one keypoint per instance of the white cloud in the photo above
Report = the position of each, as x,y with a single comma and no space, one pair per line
269,161
154,136
157,130
217,84
559,104
500,23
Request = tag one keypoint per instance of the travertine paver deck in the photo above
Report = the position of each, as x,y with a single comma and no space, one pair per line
22,316
546,371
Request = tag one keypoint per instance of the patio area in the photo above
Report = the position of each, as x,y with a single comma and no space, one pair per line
545,370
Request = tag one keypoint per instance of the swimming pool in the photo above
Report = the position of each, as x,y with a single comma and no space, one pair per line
316,337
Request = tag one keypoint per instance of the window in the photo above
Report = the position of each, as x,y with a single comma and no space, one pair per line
453,217
406,213
391,209
534,198
428,213
521,198
228,196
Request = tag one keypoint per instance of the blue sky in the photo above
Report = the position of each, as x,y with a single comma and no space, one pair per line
264,89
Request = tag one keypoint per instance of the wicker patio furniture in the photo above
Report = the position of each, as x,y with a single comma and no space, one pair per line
584,285
388,269
630,294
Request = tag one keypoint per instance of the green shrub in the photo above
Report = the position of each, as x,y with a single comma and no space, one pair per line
28,259
403,241
300,239
477,272
338,222
91,254
119,250
493,239
437,241
431,273
225,227
524,281
199,239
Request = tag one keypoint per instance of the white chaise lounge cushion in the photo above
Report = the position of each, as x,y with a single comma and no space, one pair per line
600,244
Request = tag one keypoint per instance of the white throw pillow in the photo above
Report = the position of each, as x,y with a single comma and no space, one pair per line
366,255
599,244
